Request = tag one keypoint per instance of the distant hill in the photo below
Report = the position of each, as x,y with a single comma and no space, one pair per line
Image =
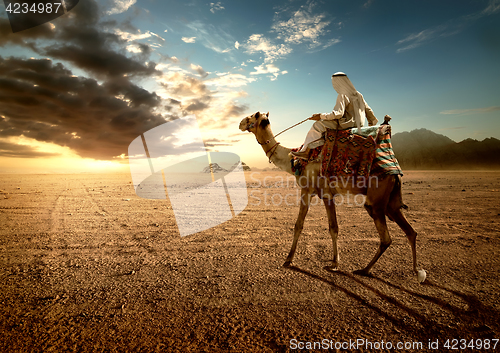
424,149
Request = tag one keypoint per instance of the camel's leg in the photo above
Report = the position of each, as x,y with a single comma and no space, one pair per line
305,198
385,240
401,221
333,229
378,198
395,214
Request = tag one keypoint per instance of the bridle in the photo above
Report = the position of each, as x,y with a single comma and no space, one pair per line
272,149
275,146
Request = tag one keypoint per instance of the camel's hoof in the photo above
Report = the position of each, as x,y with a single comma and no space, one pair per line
362,273
331,268
421,276
287,264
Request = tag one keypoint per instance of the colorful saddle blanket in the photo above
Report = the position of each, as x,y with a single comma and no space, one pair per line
347,154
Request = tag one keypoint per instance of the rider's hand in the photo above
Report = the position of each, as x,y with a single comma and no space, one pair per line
315,117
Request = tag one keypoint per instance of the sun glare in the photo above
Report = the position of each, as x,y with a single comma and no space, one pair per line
52,158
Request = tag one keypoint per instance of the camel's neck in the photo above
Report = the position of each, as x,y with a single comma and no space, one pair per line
279,155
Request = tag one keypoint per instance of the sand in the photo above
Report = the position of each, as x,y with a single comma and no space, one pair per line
85,265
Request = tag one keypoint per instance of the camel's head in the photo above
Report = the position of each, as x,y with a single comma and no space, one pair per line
255,122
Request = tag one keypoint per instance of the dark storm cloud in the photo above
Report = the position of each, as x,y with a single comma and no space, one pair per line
80,39
86,14
101,62
23,38
44,101
137,95
98,52
144,48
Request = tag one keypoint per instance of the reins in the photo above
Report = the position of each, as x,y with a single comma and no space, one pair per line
277,143
303,121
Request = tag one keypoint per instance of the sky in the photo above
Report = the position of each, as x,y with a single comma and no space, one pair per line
76,91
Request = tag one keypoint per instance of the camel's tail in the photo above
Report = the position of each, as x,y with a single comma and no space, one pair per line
396,197
397,192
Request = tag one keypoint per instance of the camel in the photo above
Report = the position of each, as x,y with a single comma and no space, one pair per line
383,198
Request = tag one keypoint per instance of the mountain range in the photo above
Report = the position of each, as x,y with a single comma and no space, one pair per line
425,149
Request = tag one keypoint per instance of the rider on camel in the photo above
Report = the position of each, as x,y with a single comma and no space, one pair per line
349,111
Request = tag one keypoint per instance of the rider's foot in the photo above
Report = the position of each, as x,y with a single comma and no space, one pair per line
303,155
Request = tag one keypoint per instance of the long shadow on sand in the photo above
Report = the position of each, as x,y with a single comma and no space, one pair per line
476,321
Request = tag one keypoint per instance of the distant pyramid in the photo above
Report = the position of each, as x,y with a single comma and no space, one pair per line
214,168
245,167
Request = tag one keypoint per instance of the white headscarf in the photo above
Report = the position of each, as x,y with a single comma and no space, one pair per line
343,85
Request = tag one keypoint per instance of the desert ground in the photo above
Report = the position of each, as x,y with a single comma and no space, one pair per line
87,266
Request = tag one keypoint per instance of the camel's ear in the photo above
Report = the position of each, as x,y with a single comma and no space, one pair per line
257,115
267,114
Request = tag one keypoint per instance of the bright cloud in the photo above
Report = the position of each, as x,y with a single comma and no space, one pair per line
303,26
265,69
216,7
300,27
129,37
134,49
271,69
120,6
258,43
189,39
230,80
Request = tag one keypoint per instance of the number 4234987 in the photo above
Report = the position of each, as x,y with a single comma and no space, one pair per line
16,7
472,344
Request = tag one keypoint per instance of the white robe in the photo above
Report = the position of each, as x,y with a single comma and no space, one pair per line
343,116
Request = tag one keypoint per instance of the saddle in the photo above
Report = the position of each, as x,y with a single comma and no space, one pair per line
347,153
